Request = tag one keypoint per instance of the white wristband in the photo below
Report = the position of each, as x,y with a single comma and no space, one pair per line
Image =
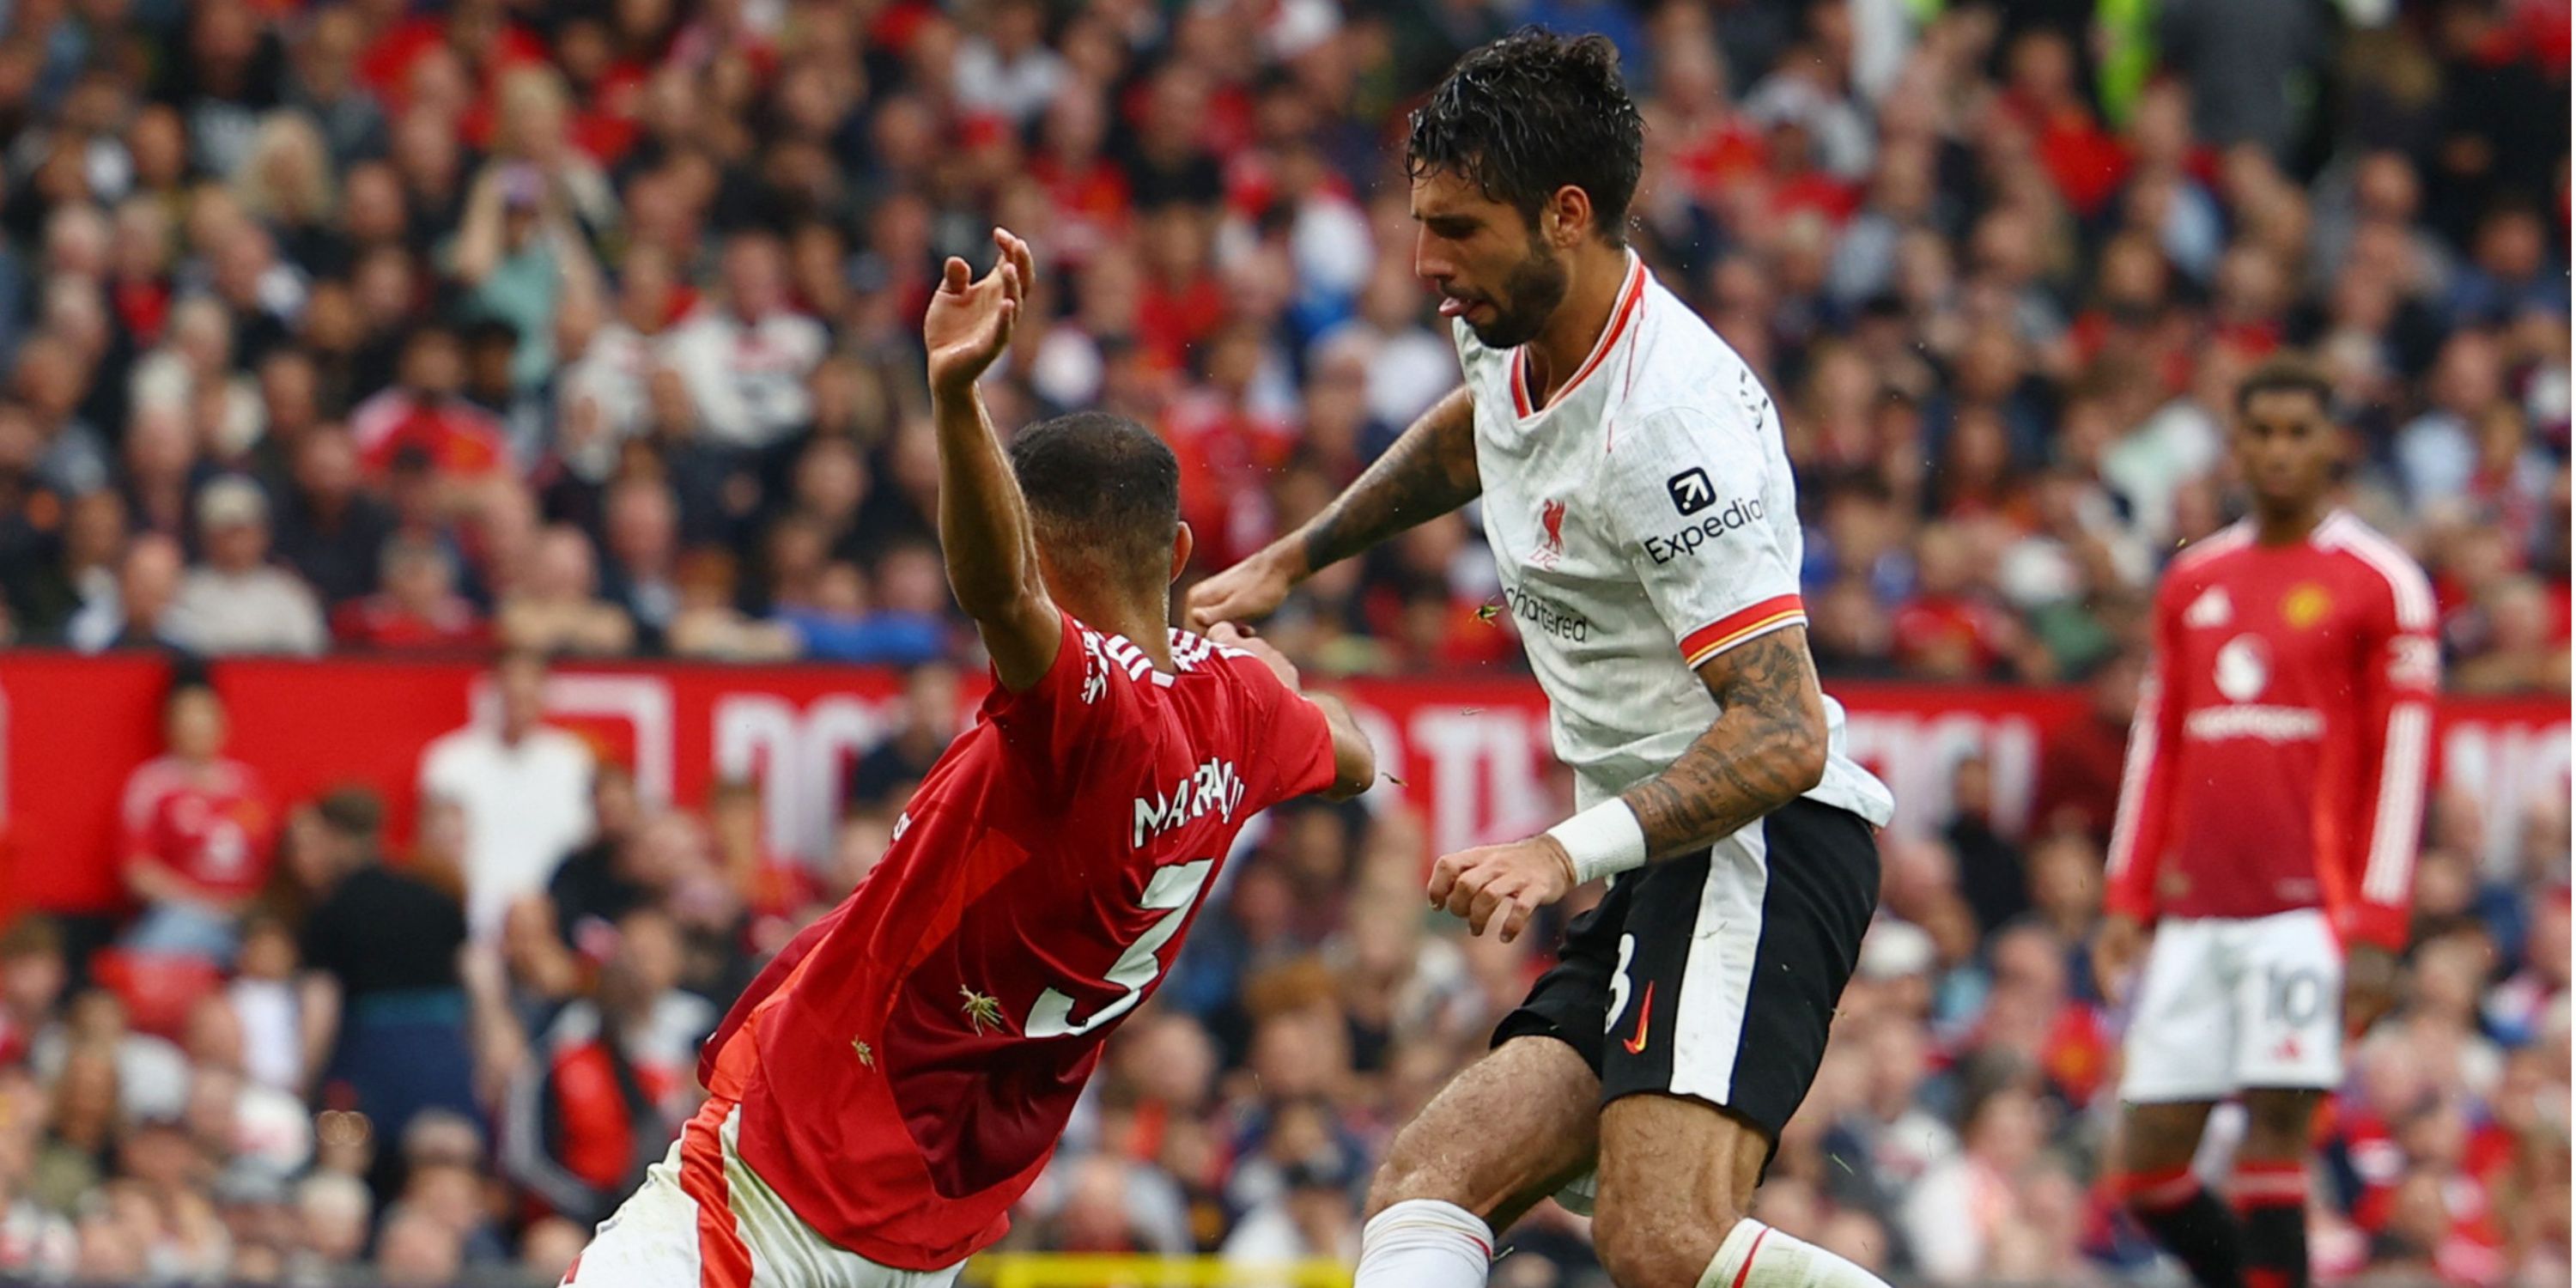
1602,840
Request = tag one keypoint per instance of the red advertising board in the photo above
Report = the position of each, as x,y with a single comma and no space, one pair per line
1470,754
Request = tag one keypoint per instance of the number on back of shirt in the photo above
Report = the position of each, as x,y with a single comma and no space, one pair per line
1174,890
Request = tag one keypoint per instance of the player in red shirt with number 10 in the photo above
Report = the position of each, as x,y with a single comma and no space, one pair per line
896,1078
2268,815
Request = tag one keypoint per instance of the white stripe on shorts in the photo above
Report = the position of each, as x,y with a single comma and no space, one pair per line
1717,978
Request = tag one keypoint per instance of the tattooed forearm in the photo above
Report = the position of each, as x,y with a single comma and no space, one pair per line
1765,749
1428,472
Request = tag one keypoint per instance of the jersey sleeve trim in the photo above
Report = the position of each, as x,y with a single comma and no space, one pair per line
2135,767
2390,869
2408,590
1743,624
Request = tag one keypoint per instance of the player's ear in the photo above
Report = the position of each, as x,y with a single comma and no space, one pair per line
1569,217
1182,544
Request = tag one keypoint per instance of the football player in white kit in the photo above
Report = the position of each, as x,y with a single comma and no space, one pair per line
1638,500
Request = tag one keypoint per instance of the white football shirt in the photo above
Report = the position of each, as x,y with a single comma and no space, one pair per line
1644,521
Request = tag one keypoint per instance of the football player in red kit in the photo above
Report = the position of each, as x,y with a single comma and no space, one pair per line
898,1076
2268,819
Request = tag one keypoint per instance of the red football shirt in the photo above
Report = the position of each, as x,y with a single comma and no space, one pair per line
213,826
2279,754
907,1064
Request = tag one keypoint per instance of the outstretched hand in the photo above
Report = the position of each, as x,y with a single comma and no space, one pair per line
971,319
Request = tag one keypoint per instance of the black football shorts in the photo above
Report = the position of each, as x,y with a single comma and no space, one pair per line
1715,976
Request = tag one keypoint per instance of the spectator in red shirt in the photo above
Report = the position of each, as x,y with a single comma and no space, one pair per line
426,410
418,609
2085,162
1948,630
197,834
2080,759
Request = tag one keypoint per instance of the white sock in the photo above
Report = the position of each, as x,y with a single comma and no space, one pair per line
1757,1256
1424,1243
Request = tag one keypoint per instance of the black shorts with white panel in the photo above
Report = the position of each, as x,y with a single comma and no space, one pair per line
1715,976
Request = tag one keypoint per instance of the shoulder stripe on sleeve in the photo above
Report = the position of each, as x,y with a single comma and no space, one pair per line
2406,582
1743,624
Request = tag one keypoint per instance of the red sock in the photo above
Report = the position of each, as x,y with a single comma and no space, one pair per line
2272,1201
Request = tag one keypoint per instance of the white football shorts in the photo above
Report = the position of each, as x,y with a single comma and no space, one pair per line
2229,1005
704,1220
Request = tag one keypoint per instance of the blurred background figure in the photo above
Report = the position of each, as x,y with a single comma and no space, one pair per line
521,787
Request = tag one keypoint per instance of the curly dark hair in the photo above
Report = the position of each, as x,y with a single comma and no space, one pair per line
1529,114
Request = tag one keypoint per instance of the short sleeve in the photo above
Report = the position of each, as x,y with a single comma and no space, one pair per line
1287,734
1076,703
1687,496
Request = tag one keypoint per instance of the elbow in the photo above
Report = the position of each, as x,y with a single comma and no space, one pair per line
1354,771
1804,761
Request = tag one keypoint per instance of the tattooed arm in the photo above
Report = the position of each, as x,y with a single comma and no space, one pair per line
1428,472
1765,749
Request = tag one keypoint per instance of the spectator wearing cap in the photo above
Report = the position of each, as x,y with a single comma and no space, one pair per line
382,1004
524,788
198,828
237,602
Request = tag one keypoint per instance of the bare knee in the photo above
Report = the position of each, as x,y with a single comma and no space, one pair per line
2280,1125
1419,1168
1659,1244
1515,1125
1676,1177
2159,1138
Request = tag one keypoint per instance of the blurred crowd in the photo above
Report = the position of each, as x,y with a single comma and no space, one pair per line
589,329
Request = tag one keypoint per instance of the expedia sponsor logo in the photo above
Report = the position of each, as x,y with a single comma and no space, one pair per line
1539,615
1738,513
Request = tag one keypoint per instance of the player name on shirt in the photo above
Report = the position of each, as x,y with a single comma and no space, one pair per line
1212,786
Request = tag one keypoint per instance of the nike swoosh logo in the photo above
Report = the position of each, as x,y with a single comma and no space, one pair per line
1645,1020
